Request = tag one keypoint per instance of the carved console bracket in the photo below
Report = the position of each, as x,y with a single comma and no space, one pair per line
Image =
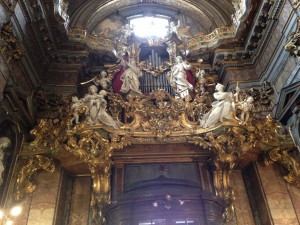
285,158
26,175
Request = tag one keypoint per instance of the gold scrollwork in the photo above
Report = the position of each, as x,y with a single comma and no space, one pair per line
284,158
25,178
225,192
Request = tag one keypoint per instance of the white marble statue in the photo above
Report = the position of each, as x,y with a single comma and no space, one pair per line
245,106
96,108
222,108
174,28
103,116
130,77
92,101
201,81
178,79
4,144
76,104
103,80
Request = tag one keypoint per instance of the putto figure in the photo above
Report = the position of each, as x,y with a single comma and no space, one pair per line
103,80
76,104
174,28
245,106
100,80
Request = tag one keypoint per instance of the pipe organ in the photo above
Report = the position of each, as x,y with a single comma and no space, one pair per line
149,83
155,58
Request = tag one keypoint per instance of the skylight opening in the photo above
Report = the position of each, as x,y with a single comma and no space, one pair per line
150,26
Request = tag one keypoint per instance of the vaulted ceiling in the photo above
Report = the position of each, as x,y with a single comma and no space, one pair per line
210,14
70,50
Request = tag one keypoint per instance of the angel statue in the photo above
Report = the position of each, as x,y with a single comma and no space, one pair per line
245,106
178,78
222,108
76,104
130,77
174,28
101,80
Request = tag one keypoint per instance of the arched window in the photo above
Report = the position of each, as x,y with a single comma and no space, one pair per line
150,26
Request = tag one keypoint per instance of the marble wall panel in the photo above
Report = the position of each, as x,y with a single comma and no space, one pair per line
278,197
79,213
44,199
241,203
295,197
285,73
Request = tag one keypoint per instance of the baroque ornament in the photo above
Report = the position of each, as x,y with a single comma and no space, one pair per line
293,43
90,129
9,45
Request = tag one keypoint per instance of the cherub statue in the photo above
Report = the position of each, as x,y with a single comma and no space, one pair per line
201,81
173,28
245,106
4,144
76,104
102,80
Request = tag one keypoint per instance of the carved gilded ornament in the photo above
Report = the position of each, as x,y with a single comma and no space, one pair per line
195,43
26,177
157,118
9,45
93,42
